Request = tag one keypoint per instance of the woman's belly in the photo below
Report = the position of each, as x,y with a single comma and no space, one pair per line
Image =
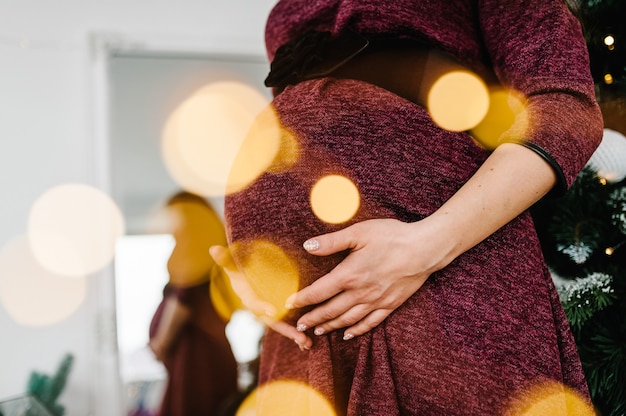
400,164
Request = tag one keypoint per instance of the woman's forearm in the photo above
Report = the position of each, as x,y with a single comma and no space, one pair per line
175,315
390,260
511,180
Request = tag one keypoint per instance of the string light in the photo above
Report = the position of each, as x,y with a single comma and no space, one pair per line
610,250
609,41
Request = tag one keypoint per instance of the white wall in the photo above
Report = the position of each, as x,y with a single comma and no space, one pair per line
47,138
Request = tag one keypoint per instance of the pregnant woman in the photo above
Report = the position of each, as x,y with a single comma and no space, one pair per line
434,298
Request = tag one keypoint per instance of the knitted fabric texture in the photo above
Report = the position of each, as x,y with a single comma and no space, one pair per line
488,326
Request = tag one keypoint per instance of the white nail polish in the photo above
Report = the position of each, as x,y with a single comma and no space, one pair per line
311,245
319,331
347,337
301,327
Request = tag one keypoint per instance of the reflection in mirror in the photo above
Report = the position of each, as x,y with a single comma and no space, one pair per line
148,93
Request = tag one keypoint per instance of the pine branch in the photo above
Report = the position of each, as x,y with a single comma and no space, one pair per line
617,203
583,298
603,354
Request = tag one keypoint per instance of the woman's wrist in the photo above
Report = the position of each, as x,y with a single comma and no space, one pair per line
510,181
438,240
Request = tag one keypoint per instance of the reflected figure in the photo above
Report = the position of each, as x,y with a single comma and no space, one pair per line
187,332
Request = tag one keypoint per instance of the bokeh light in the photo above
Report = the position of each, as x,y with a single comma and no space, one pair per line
458,100
31,294
268,146
506,109
196,227
271,275
73,229
551,398
223,297
204,134
285,398
335,199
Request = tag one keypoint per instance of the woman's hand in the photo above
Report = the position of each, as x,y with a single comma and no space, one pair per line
389,261
159,350
262,309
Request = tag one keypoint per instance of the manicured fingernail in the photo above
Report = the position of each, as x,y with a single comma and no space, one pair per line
311,245
319,331
289,302
301,327
347,336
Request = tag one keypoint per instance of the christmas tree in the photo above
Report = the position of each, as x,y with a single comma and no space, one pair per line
583,233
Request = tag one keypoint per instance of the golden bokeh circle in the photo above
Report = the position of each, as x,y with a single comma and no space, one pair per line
73,229
31,294
458,100
270,274
204,134
267,146
285,398
335,199
507,116
550,398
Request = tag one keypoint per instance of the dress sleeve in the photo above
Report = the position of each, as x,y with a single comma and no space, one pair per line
537,48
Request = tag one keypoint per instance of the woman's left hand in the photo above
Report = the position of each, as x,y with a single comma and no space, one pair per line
389,261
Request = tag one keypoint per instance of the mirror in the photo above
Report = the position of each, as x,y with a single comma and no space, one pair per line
145,89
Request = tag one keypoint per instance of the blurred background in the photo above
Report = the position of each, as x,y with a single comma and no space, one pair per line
87,88
94,97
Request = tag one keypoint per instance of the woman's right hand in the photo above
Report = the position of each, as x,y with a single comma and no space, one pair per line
262,309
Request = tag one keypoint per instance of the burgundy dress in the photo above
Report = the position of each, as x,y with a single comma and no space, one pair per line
201,368
489,325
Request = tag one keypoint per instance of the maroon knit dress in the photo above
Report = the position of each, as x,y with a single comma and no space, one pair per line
201,368
490,324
